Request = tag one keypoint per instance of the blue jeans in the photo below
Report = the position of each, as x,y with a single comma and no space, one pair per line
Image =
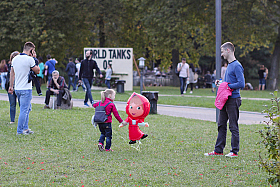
13,104
3,79
24,97
230,112
49,77
75,83
88,84
71,81
262,81
182,83
106,131
108,84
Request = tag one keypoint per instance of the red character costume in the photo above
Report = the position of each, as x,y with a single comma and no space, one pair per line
137,108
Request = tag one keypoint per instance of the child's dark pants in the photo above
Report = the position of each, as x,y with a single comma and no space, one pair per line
106,131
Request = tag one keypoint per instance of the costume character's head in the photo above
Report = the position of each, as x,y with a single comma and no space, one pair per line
138,106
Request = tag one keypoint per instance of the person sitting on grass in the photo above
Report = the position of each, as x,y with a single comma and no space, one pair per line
55,87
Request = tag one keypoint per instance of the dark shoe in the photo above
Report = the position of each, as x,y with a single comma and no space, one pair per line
46,107
144,136
58,107
132,142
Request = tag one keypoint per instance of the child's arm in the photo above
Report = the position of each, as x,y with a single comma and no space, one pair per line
124,123
95,104
116,113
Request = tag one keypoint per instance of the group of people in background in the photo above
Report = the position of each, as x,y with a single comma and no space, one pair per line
24,69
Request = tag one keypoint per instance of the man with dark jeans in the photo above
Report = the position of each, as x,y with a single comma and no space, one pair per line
56,87
234,76
86,73
71,70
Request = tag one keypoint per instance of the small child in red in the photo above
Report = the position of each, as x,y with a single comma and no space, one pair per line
106,128
137,108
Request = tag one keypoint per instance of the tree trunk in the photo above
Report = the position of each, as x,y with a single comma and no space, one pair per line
274,70
101,31
175,61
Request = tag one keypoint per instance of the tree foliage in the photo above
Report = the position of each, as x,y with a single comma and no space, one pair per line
152,28
271,140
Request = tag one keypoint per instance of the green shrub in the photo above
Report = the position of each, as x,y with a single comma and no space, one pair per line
270,162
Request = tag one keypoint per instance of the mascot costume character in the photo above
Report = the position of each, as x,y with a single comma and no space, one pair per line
137,108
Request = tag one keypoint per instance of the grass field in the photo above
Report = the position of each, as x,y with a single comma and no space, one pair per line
63,152
174,97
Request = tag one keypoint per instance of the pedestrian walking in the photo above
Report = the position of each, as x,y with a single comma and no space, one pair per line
86,75
183,69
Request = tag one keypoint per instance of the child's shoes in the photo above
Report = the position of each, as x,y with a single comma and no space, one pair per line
109,150
101,147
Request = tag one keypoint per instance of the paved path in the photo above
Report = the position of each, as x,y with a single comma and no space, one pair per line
208,114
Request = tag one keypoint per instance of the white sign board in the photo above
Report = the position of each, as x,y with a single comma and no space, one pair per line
121,60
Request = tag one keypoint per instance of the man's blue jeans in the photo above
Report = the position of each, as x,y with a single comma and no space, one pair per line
71,80
24,97
13,104
88,84
182,83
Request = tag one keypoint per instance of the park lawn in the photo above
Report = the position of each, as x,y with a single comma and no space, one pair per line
63,152
187,100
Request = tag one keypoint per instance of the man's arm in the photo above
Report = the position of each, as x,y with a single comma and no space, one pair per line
240,79
81,70
97,69
67,67
36,69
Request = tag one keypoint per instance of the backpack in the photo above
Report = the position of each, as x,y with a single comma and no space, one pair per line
100,114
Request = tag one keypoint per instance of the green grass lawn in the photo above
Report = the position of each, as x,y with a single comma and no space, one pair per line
63,152
177,99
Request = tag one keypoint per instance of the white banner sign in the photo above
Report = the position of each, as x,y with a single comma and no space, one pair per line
121,60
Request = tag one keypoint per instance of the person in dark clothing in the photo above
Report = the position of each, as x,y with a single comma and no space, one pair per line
71,70
86,75
208,80
262,77
33,77
56,86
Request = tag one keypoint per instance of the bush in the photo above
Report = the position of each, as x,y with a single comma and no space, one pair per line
270,162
